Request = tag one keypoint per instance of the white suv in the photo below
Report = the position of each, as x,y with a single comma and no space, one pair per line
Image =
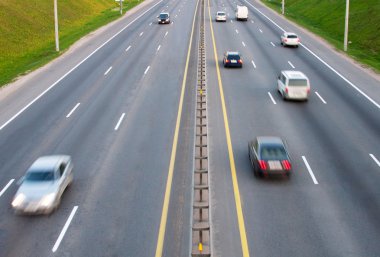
290,39
293,85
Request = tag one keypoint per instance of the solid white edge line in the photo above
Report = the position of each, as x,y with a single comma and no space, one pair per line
291,65
320,97
146,70
253,63
109,69
129,47
119,122
63,232
272,44
322,61
72,110
310,170
372,156
6,187
271,97
76,66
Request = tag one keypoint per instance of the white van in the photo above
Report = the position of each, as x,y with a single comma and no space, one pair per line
241,12
293,85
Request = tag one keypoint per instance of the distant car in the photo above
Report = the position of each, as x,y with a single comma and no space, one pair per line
43,184
221,16
290,39
232,59
268,155
163,18
293,85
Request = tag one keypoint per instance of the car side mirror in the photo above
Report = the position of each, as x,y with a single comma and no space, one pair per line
19,182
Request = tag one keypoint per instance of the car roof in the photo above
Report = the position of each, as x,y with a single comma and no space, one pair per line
164,13
48,162
292,74
232,53
221,12
270,140
290,33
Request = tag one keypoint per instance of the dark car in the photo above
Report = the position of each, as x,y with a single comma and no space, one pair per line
268,155
232,59
163,18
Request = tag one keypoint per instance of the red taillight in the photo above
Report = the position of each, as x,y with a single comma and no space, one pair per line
227,60
308,90
263,165
298,40
240,61
285,40
286,165
286,90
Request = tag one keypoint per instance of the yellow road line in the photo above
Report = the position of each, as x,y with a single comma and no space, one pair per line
239,211
165,207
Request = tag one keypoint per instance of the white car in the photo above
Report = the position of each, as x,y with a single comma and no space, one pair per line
242,12
221,16
290,39
293,85
42,186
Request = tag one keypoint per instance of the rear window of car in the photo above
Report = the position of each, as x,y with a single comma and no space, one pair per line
273,152
292,36
163,16
37,176
297,82
233,57
221,14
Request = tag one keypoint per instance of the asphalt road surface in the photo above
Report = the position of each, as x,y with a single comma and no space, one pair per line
113,104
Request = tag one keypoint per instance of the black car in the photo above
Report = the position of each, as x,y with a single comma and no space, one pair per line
232,59
163,18
268,155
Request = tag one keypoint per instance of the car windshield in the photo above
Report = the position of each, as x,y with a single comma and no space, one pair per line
292,36
39,176
273,152
164,16
297,82
233,57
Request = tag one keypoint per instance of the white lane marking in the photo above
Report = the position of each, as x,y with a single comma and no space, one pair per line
6,187
105,73
166,33
72,110
243,43
63,232
310,171
237,31
129,47
150,23
271,97
253,63
172,22
291,65
231,21
141,34
179,10
322,61
252,21
119,122
158,48
320,97
260,31
272,44
76,66
372,156
146,70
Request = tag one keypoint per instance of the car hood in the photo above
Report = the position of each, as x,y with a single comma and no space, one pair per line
36,190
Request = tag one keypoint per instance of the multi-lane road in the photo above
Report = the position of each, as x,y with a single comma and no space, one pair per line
114,103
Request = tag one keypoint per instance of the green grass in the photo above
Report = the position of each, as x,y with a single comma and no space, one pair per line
326,18
27,30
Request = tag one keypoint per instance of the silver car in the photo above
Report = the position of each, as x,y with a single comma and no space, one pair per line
43,184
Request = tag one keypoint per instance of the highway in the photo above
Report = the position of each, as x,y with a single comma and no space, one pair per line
114,104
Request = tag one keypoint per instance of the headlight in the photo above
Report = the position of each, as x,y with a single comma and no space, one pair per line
47,200
17,201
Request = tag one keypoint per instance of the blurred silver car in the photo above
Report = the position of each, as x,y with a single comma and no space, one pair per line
43,184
